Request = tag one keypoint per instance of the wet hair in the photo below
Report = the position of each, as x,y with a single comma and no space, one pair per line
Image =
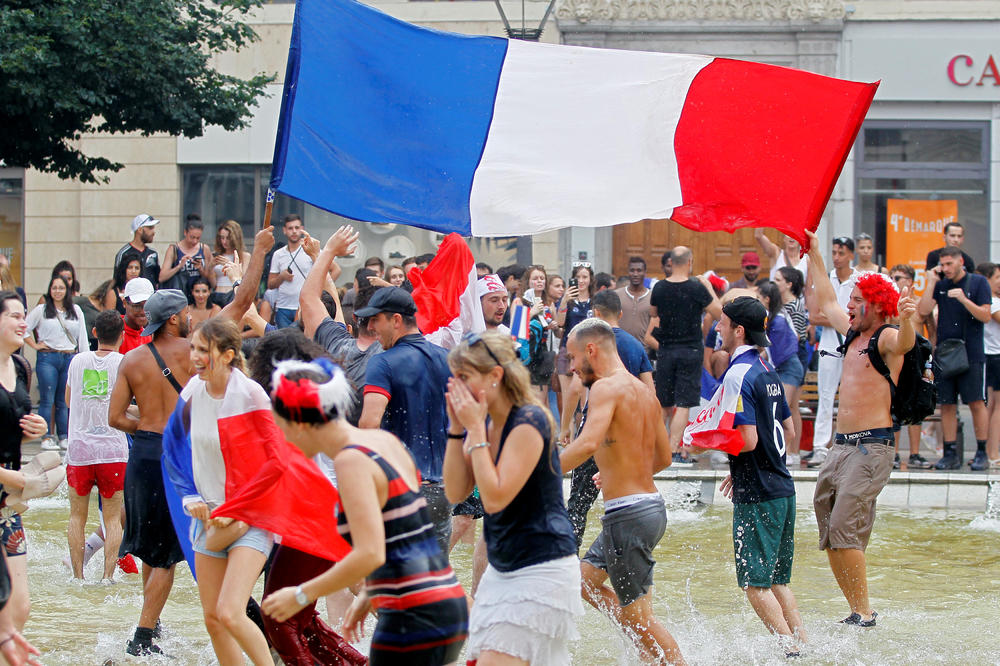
527,276
594,330
793,277
67,302
127,258
906,269
770,290
312,392
281,345
109,326
607,302
515,383
637,260
8,295
235,237
950,251
987,269
223,335
63,266
604,281
880,292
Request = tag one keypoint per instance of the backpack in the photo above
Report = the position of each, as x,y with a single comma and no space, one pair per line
914,397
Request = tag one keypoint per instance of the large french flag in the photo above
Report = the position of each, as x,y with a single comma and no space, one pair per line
269,483
384,121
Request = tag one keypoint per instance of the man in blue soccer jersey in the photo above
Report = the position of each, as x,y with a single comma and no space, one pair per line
759,484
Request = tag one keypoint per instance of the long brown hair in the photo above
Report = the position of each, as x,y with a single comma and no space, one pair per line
235,238
516,382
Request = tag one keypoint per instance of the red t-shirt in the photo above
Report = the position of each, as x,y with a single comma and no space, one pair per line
133,338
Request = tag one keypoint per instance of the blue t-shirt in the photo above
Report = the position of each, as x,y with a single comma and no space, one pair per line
413,374
535,526
632,353
954,321
576,312
759,475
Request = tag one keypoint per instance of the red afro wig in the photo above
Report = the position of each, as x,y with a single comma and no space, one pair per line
879,292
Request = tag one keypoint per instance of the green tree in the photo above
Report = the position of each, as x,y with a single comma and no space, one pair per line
68,67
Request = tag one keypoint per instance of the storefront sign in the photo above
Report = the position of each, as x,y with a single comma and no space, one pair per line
962,71
914,228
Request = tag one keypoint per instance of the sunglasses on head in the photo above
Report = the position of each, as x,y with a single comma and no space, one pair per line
579,264
475,338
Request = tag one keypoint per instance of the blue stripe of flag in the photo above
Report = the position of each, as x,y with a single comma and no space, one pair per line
382,120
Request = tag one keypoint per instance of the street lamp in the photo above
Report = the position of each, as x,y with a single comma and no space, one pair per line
524,32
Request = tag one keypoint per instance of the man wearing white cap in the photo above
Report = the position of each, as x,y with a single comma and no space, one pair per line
495,300
143,232
137,292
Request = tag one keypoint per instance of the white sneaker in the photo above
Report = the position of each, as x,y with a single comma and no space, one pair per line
818,457
793,460
63,444
49,443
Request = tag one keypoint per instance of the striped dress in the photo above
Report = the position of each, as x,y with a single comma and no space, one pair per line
422,612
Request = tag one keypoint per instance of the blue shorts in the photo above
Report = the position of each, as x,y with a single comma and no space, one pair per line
792,372
256,538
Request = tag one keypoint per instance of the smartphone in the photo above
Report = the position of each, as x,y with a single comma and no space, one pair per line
572,282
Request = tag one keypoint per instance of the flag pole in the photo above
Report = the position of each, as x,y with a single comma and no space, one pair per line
268,207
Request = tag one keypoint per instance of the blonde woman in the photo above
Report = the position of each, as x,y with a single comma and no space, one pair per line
228,248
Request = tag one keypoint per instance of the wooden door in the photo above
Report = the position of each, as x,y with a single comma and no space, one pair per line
717,250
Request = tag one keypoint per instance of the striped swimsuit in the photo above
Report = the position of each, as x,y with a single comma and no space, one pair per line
422,614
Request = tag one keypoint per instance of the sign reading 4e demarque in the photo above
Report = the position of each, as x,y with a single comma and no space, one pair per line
913,228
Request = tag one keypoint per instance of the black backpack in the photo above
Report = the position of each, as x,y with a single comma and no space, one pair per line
914,397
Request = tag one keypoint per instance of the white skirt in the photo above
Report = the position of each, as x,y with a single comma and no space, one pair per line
529,613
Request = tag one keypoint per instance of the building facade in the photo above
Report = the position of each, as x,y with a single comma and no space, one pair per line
933,132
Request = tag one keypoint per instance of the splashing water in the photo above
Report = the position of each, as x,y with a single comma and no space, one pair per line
990,520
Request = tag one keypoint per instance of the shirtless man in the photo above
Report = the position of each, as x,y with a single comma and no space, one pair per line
625,434
860,460
149,533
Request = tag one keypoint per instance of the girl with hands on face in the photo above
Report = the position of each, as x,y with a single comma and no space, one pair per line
501,440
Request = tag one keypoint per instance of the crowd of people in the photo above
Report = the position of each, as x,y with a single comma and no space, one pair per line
421,441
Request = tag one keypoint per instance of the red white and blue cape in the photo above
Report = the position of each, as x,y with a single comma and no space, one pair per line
270,484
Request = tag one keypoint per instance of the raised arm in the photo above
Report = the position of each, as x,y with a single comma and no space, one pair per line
767,246
906,336
825,296
926,304
244,294
311,308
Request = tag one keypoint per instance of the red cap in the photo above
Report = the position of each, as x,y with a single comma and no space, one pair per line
750,259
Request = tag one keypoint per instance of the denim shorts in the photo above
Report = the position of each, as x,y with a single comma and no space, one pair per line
255,537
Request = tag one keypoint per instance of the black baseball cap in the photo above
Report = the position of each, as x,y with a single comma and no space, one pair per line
388,299
748,312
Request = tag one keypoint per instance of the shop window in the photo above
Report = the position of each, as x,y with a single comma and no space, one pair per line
12,219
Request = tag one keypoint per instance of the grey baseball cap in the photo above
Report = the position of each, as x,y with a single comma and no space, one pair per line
161,306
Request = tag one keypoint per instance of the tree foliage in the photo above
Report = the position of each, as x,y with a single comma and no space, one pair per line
68,67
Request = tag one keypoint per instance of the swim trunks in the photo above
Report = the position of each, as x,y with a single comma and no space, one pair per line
624,548
12,535
108,477
764,542
149,533
856,469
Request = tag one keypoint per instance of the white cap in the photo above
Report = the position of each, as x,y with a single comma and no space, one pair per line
489,284
143,220
138,290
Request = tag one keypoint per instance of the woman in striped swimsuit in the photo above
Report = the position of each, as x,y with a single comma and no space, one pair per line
422,612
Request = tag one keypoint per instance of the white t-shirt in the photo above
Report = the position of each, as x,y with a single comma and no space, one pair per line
91,440
206,451
829,340
300,263
50,331
991,332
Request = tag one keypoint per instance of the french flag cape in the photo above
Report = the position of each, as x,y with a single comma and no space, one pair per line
445,294
269,483
384,121
713,427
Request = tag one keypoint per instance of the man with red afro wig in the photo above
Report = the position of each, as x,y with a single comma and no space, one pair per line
859,462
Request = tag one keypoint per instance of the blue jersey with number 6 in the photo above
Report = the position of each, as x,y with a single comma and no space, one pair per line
761,474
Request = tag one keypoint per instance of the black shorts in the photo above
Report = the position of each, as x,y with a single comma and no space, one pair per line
678,376
993,371
470,506
971,385
149,532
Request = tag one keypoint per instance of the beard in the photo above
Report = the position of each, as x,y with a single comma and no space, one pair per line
587,375
183,327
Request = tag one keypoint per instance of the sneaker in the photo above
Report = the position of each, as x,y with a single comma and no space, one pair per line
807,456
49,443
948,461
127,564
979,462
138,648
680,461
854,619
917,461
63,444
895,462
793,460
818,458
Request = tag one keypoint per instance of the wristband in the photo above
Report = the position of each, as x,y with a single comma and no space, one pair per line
469,449
460,435
237,283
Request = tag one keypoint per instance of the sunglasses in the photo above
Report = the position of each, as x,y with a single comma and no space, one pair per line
579,264
475,338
